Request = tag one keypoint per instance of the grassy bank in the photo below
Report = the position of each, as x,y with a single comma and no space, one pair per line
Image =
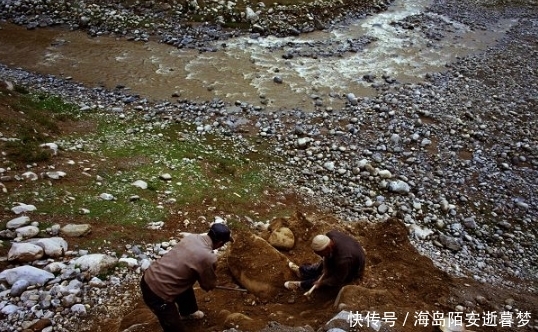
185,178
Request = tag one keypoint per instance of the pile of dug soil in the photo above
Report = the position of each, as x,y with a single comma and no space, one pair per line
397,281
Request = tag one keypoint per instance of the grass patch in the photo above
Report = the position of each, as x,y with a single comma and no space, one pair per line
204,171
187,174
29,120
46,111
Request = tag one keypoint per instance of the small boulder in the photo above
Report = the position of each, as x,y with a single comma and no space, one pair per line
32,274
18,222
95,264
52,247
24,252
73,230
282,238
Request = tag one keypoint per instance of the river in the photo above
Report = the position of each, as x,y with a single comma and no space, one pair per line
324,67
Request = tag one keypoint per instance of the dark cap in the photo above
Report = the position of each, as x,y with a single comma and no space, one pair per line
220,232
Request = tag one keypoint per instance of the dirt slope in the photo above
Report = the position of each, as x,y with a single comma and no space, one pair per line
397,280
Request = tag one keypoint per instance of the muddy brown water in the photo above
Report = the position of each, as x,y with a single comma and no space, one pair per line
245,69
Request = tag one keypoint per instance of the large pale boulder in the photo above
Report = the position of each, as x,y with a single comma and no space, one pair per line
95,263
52,246
27,232
18,222
24,252
21,208
32,274
258,266
251,15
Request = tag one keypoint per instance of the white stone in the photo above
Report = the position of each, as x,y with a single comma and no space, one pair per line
24,252
95,263
352,99
55,267
250,15
32,274
30,176
52,146
131,262
419,232
73,230
23,208
166,177
144,264
399,186
10,309
53,247
329,165
106,197
56,175
140,184
79,309
98,283
385,174
18,222
27,232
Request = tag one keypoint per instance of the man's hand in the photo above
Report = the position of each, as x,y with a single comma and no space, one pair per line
316,285
309,293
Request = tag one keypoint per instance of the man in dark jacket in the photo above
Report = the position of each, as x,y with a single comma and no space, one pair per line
167,284
343,262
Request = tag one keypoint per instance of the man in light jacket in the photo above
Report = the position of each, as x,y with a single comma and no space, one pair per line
167,284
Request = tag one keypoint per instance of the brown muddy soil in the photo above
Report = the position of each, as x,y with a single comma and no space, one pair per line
399,282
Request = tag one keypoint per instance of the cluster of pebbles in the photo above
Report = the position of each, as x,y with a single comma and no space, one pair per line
454,157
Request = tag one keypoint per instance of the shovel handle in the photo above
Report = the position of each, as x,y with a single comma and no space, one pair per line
232,288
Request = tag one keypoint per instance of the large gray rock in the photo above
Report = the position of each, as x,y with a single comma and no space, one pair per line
95,263
399,187
18,222
32,274
21,208
24,252
52,246
19,287
27,232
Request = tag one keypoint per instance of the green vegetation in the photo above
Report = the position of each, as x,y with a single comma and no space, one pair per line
186,173
31,119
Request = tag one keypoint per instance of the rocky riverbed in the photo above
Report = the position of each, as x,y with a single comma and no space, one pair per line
454,157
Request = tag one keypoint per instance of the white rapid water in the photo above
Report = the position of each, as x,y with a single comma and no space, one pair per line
404,54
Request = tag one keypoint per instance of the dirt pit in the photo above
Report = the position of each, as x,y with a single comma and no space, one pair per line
398,282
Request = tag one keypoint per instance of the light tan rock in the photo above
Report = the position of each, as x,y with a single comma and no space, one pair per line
282,238
72,230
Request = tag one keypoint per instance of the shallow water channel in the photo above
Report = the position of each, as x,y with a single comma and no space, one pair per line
244,69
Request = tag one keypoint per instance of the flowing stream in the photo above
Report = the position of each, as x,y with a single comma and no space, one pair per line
326,65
